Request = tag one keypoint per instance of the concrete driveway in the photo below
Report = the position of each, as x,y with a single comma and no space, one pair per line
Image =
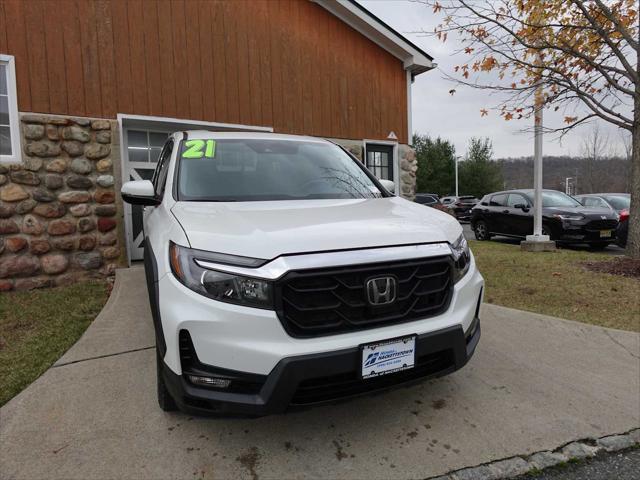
535,383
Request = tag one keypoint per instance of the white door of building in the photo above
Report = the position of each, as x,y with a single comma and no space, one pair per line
141,140
142,147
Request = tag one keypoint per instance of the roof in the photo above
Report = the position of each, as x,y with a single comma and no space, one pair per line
526,191
216,135
413,58
601,194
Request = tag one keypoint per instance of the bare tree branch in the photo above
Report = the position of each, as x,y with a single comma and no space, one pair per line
607,39
621,28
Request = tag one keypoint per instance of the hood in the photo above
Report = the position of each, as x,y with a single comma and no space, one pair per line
269,229
590,213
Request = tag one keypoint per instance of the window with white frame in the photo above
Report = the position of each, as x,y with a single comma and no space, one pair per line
144,146
9,128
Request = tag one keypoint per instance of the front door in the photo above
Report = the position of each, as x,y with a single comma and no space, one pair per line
520,218
497,212
379,160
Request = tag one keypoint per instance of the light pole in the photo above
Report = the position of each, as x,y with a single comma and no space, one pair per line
537,242
566,185
457,158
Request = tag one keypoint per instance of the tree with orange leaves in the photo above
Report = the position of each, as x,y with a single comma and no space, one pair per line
581,56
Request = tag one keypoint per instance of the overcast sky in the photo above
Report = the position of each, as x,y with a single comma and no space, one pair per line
457,117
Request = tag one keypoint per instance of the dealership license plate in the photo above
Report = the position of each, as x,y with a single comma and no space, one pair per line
387,357
605,233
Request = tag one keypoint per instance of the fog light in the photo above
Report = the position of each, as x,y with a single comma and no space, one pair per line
209,381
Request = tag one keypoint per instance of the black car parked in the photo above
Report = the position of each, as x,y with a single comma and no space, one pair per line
564,219
428,199
460,206
619,202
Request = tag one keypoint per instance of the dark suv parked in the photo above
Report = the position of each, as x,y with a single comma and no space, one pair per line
564,219
620,202
429,199
460,206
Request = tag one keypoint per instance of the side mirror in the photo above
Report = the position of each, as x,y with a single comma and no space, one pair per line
139,192
521,206
389,185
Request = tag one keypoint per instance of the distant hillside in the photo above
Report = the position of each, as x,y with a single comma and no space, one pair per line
602,175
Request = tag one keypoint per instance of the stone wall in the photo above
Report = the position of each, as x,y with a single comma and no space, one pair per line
408,169
58,212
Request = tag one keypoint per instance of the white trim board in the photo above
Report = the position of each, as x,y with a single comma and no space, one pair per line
14,117
409,109
176,124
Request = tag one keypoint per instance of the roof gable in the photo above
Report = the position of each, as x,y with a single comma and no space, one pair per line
414,59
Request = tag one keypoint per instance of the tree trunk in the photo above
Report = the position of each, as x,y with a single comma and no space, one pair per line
633,243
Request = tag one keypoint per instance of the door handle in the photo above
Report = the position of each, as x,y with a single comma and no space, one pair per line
505,211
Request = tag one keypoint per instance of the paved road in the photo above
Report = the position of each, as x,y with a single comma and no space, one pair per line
535,383
615,466
468,234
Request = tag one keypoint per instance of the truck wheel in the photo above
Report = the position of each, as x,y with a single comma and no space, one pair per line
166,402
481,231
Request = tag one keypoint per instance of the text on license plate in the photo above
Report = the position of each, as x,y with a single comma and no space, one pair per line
605,233
388,356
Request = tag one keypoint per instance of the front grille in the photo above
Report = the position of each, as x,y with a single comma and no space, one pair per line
329,301
348,384
602,225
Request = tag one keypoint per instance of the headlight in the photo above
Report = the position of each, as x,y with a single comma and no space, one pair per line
221,286
570,217
461,258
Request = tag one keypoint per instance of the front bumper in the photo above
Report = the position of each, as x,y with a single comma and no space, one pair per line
254,340
582,232
272,369
326,377
585,236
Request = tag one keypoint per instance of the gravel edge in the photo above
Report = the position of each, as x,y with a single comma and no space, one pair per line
521,464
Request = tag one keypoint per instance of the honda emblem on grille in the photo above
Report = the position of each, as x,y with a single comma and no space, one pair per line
381,290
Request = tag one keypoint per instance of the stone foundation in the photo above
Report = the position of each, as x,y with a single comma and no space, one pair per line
59,221
408,169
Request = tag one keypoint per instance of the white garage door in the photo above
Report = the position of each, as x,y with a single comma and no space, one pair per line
141,140
143,149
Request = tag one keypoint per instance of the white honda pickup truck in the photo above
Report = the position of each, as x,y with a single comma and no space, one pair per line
281,273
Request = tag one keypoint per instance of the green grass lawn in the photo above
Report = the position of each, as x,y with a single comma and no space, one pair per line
558,284
37,327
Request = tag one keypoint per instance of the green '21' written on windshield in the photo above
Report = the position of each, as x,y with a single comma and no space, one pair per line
199,149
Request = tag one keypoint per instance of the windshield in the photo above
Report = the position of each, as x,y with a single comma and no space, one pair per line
619,202
558,199
238,170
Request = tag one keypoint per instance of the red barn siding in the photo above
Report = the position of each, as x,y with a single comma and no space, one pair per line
289,64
